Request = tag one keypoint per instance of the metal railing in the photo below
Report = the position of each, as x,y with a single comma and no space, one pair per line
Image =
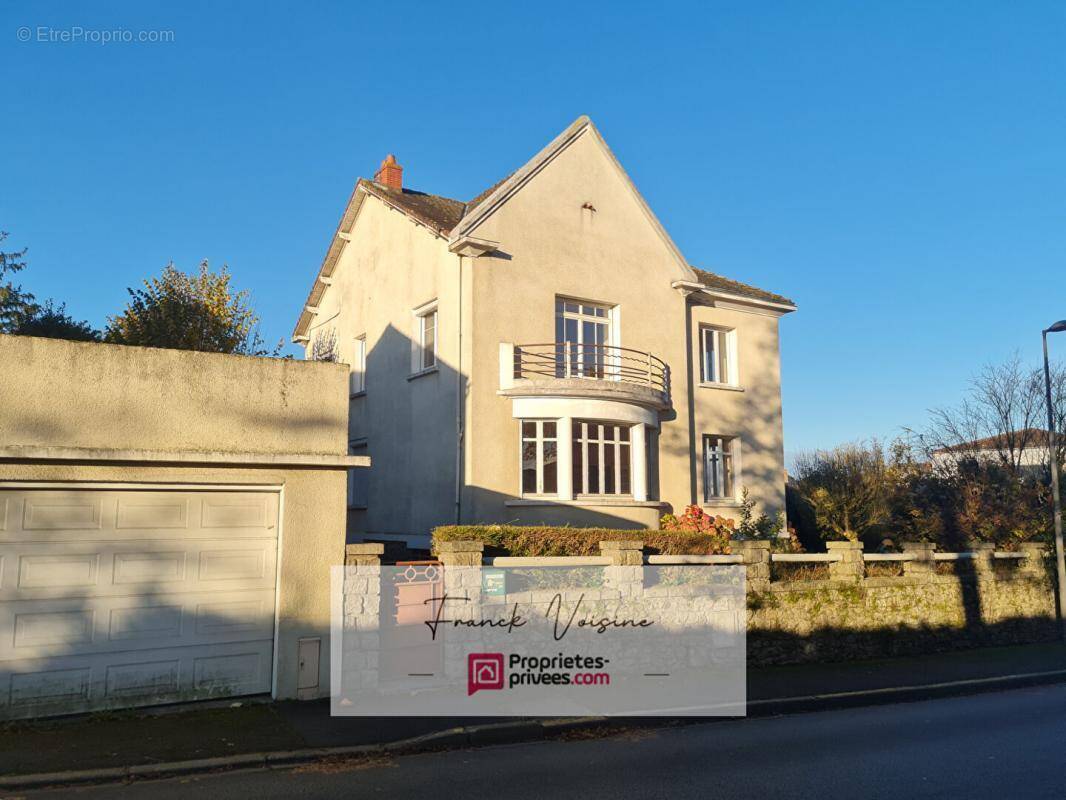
593,361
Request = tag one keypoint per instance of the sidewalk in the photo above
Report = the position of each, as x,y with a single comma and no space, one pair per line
130,739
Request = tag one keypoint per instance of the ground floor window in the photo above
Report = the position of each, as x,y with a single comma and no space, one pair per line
601,458
718,468
540,450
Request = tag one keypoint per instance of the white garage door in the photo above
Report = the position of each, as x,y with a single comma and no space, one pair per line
124,597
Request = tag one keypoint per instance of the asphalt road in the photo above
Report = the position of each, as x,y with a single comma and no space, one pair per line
1002,745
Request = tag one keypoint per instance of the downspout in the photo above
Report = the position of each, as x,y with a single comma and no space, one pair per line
459,403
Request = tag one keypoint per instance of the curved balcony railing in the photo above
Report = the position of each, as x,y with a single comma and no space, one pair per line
591,361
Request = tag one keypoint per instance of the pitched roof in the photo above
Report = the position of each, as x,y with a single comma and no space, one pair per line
440,213
444,214
723,284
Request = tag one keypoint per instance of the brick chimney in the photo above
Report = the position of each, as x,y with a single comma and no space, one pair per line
390,173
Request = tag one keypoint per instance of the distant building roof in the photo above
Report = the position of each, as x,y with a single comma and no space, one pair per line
1026,437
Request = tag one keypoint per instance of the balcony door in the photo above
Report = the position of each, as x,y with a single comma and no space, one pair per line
582,340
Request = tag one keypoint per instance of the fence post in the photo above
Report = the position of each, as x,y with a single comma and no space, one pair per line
851,566
367,554
1033,563
626,570
756,555
924,562
983,566
459,554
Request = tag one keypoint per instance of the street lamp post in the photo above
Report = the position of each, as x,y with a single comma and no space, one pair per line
1053,456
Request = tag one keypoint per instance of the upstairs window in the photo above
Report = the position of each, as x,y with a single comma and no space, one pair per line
717,361
540,461
582,339
424,349
357,377
601,459
718,471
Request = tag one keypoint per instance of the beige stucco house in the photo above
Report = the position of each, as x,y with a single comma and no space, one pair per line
543,353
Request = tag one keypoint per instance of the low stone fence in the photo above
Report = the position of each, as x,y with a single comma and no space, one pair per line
988,598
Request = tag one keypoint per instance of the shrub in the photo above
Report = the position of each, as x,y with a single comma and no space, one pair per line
545,540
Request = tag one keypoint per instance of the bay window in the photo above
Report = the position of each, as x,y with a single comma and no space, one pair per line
601,457
540,457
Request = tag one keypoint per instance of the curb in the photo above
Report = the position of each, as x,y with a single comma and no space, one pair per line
521,731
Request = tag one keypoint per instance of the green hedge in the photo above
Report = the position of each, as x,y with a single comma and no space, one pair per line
542,540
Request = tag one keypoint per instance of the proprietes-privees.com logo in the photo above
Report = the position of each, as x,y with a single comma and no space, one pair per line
486,671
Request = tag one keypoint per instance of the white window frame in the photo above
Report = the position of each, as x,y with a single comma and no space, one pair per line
355,448
539,438
724,340
357,377
612,321
422,315
582,443
729,451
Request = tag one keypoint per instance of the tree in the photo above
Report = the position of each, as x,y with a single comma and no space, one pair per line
1005,409
846,486
189,312
53,322
15,303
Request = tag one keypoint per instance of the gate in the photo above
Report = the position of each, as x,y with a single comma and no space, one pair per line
406,652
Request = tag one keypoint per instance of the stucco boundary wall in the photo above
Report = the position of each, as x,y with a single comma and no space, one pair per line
988,598
86,417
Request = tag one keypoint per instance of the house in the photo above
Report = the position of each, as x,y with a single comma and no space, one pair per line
1024,451
542,354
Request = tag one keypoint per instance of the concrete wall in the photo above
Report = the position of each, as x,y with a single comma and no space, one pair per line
393,267
116,397
56,395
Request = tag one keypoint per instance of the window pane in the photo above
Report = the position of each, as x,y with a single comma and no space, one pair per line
608,468
571,307
623,433
529,430
550,468
727,475
593,455
723,357
558,306
529,467
578,462
429,335
624,456
709,360
549,430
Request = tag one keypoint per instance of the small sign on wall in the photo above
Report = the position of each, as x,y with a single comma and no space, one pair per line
493,582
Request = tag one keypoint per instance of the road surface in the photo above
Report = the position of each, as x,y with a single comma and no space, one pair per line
1002,745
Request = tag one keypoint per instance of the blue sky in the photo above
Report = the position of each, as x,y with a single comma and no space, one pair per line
896,168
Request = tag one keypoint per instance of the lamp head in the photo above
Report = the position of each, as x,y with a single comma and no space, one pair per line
1057,327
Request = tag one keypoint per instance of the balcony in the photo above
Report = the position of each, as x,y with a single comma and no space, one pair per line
597,372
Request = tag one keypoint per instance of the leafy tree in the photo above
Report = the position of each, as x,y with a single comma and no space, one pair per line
14,302
53,322
190,312
846,486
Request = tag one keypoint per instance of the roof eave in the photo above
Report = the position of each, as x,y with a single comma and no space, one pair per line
692,287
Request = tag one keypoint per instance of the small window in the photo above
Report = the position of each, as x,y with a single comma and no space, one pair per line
358,478
601,458
425,349
716,355
718,468
357,377
540,462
